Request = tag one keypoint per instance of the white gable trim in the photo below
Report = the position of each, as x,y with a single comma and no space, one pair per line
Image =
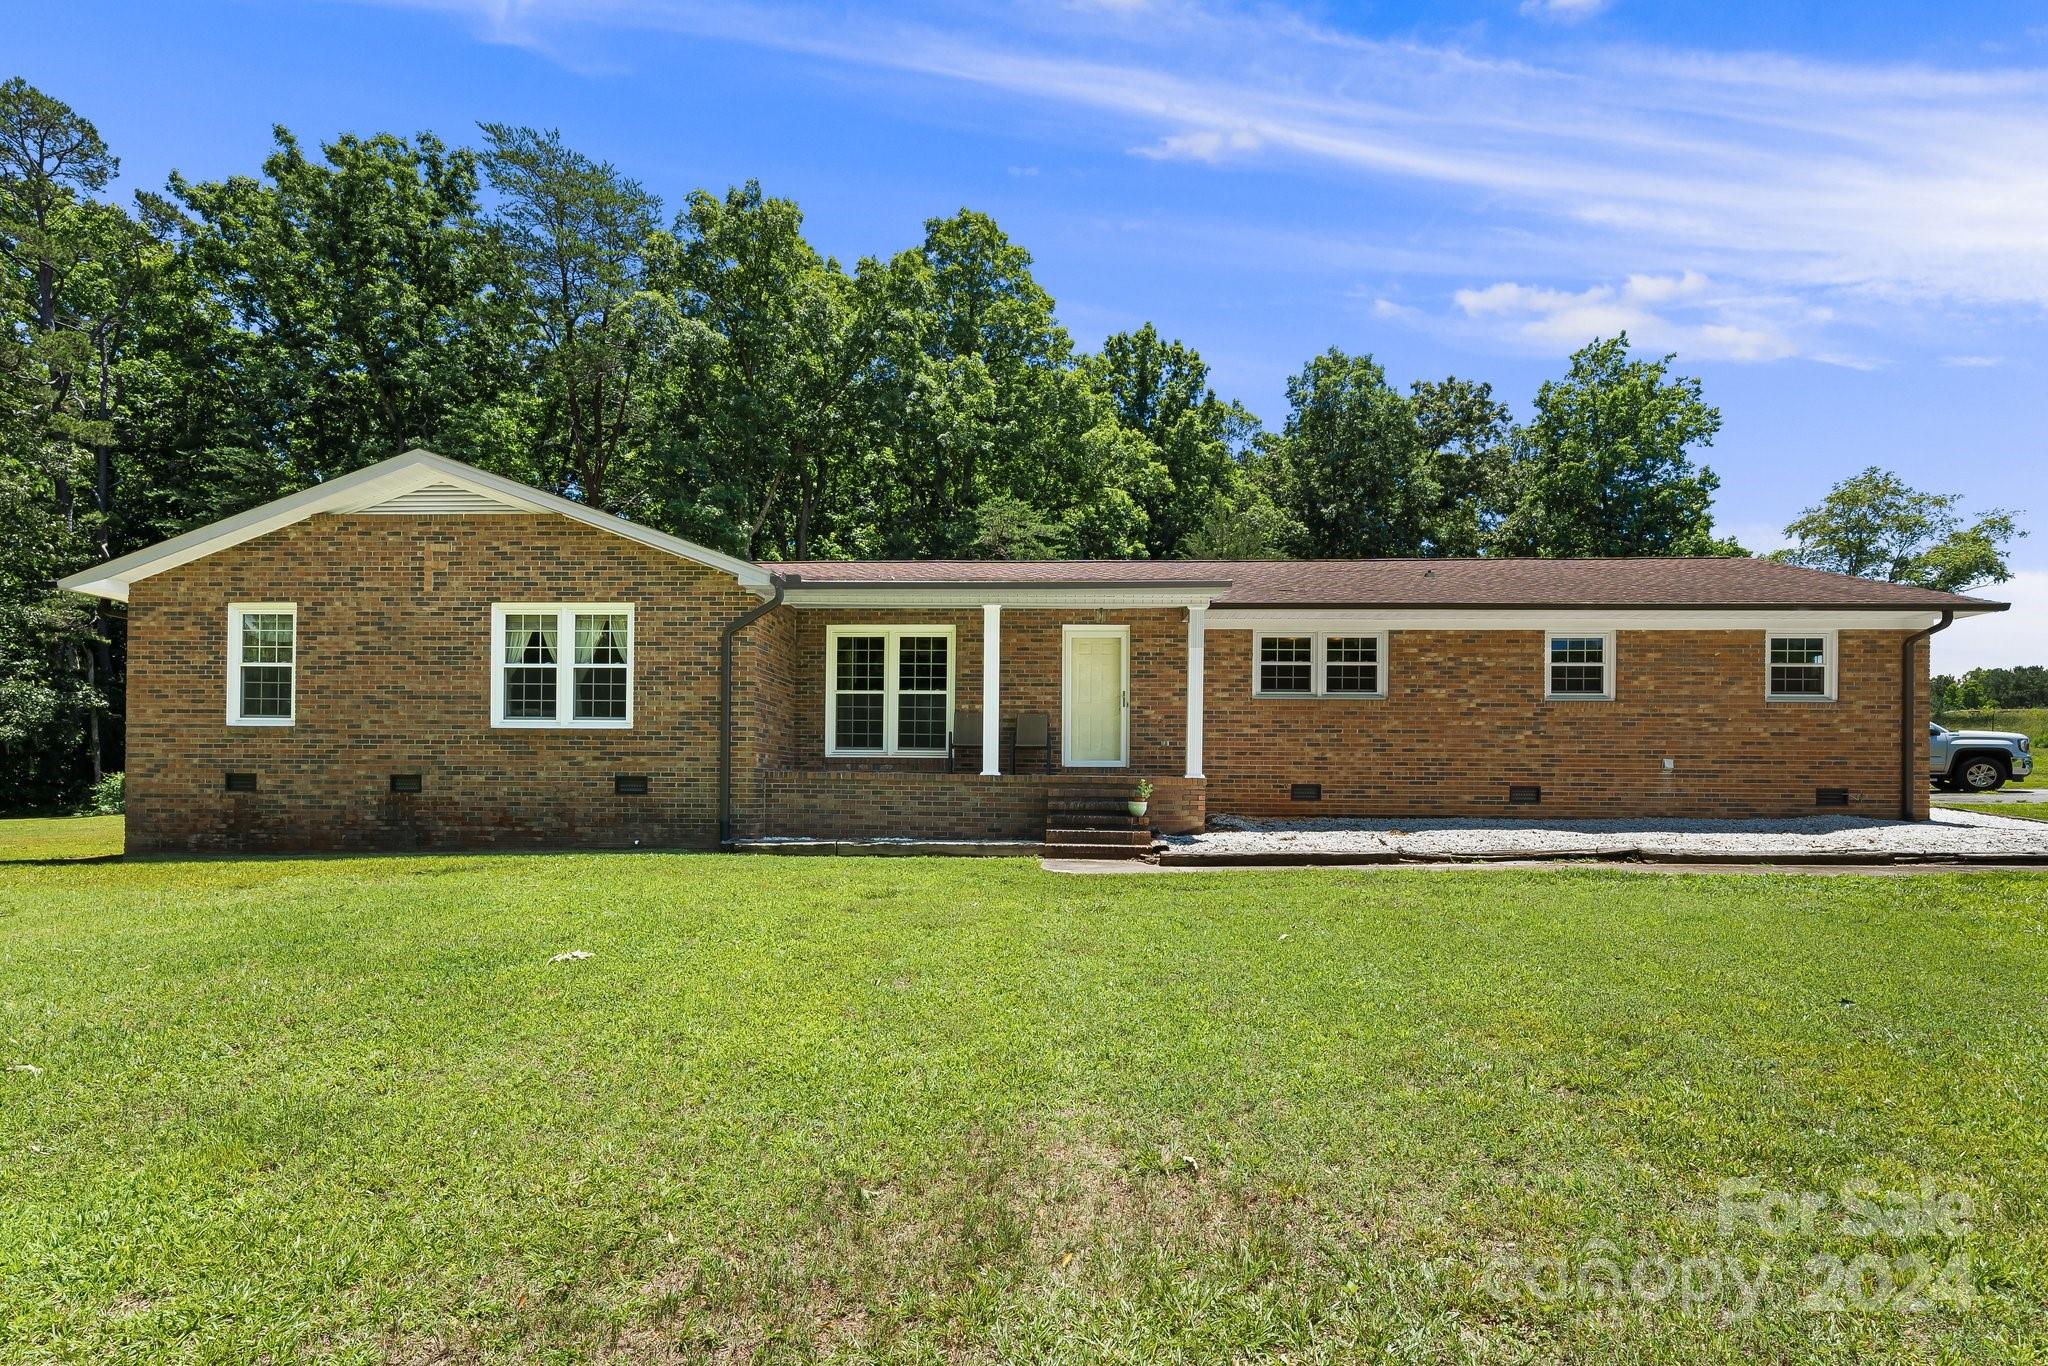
418,478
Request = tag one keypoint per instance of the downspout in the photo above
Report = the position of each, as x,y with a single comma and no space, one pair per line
1913,752
739,624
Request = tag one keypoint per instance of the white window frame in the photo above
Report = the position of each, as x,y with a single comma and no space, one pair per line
1319,662
891,687
1828,641
1609,666
236,611
565,665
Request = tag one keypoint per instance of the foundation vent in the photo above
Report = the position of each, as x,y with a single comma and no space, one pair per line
630,784
241,782
1524,794
1831,796
405,782
1305,792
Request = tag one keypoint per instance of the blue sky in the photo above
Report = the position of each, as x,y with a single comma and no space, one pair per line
1836,216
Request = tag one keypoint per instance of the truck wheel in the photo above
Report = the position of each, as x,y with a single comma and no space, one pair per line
1980,773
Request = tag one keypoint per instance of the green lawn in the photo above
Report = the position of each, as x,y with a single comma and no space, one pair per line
931,1110
41,838
2019,811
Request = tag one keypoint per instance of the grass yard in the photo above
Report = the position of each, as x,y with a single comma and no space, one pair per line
39,839
931,1110
2019,811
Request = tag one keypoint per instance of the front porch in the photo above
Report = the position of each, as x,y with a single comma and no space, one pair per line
1038,703
847,804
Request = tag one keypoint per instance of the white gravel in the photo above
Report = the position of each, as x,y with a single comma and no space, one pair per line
1950,832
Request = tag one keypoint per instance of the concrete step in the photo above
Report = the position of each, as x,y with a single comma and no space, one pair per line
1097,851
1139,839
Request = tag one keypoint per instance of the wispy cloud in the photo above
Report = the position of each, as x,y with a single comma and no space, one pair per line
1685,312
1569,11
1841,187
1972,362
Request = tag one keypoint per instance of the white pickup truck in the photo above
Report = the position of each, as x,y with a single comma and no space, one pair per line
1976,760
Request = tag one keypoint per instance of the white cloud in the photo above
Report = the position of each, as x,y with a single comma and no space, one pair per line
1682,312
1972,362
1387,308
1570,11
1999,639
1207,144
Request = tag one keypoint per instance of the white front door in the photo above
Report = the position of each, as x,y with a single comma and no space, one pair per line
1097,694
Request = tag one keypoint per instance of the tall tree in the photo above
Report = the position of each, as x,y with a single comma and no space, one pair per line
1160,390
1605,466
370,311
1352,467
69,275
759,418
1875,526
579,231
1465,434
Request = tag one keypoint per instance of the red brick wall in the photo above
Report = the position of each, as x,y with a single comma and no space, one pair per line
393,644
1031,665
1465,717
857,804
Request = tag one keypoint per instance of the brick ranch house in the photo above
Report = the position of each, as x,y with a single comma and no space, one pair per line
422,654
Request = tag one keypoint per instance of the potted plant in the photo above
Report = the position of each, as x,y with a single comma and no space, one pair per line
1137,808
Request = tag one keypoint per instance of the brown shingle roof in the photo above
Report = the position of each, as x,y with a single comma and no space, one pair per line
1684,583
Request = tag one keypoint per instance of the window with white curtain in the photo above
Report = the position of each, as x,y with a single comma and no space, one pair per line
566,665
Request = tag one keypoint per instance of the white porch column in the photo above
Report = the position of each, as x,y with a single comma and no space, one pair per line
991,689
1198,625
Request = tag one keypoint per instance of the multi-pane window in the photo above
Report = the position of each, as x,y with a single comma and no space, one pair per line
262,664
1351,664
1800,667
562,666
1287,665
861,673
1318,664
601,666
889,689
532,663
1579,665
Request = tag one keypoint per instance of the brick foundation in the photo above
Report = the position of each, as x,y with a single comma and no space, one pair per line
858,804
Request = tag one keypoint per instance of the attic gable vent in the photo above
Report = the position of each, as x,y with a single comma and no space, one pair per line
443,498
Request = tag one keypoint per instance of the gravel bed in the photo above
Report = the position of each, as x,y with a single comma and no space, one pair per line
1949,832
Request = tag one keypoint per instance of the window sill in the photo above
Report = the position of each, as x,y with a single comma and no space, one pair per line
1319,696
890,753
1807,698
265,721
1578,697
561,725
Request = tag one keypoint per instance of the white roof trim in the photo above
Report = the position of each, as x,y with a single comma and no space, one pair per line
368,488
1077,596
1364,619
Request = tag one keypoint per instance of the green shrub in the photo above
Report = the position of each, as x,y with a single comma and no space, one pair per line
110,794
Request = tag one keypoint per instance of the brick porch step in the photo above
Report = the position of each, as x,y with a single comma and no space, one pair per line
1131,839
1089,806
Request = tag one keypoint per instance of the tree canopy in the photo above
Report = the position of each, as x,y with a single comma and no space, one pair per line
531,308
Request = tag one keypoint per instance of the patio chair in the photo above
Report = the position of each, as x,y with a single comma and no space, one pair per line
966,734
1034,731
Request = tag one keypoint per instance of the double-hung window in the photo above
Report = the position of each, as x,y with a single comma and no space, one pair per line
1319,664
263,664
888,689
1578,665
1800,668
562,665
